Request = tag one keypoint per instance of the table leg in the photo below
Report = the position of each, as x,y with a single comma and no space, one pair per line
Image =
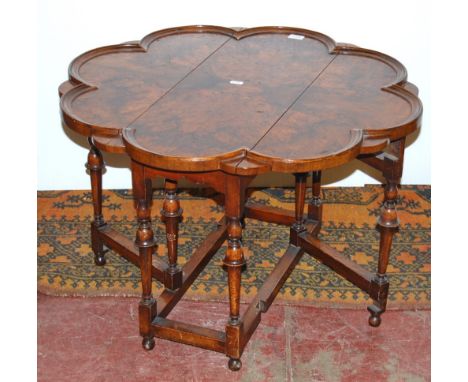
314,210
388,225
146,244
234,261
298,226
171,214
141,189
95,166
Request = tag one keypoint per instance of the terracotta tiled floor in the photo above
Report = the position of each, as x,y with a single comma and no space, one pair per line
96,339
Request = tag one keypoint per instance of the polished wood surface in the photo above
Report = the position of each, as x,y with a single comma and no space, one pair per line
218,106
205,98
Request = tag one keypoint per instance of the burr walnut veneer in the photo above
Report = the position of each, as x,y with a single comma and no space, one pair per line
219,106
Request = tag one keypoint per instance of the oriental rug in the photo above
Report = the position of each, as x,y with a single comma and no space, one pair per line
66,266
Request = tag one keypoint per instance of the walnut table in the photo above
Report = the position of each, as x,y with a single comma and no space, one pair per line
219,106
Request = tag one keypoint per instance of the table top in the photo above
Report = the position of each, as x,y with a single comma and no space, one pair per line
204,98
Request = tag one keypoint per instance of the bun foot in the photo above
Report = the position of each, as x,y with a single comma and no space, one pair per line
148,343
374,319
99,260
234,364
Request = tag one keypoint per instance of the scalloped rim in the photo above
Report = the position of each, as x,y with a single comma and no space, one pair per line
396,87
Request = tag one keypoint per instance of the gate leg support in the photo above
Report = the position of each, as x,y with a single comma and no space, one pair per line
146,244
392,169
95,166
388,225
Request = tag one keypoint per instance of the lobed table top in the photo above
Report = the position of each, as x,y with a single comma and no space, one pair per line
205,98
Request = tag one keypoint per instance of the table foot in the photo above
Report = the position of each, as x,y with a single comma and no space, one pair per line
148,343
98,246
375,320
234,364
99,259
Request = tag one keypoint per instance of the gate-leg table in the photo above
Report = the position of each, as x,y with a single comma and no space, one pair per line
181,107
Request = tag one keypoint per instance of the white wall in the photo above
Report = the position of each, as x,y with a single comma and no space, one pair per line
68,28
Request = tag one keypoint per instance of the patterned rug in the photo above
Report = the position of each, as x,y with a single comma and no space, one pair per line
66,266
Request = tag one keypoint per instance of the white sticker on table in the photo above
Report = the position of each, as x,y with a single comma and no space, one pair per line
296,37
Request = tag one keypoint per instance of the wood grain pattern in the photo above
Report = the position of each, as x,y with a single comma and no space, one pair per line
207,115
207,98
119,83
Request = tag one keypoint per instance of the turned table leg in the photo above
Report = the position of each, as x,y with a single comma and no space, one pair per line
300,189
234,261
388,225
171,214
314,209
146,245
95,166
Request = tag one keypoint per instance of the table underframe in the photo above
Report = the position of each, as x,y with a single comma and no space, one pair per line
304,228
